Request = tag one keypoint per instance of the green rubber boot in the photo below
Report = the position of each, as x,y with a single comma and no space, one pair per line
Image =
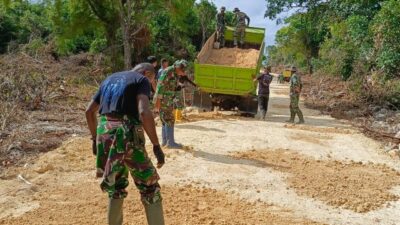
115,216
154,213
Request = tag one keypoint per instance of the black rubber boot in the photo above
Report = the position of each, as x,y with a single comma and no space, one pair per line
292,115
154,213
115,216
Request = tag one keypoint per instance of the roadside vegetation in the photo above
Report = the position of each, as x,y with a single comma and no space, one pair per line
354,41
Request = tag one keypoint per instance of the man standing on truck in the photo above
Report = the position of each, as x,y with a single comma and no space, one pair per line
264,81
164,101
240,29
295,89
119,143
221,27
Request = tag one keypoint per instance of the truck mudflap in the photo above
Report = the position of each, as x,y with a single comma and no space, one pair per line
247,105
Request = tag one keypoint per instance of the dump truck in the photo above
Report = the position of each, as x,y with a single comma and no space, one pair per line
230,86
287,74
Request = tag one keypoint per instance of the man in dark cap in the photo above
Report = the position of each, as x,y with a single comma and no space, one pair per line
295,89
221,27
240,29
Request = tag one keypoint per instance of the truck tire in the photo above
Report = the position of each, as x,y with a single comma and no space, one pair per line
249,105
202,100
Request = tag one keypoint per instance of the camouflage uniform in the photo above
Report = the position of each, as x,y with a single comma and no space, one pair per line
121,150
166,92
295,84
280,79
240,29
178,100
221,29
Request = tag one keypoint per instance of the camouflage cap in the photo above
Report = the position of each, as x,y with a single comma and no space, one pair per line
236,10
181,63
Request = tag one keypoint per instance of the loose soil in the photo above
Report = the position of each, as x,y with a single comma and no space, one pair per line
205,184
64,191
355,186
237,57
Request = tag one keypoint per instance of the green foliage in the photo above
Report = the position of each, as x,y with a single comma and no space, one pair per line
206,12
22,22
230,18
166,28
387,38
352,39
299,42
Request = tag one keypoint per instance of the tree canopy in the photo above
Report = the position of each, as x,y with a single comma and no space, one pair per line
125,31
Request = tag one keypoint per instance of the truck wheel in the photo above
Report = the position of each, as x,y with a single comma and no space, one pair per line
249,105
202,100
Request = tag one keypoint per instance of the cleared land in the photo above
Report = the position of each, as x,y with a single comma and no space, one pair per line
232,171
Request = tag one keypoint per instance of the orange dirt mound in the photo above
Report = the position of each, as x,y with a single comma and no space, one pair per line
246,58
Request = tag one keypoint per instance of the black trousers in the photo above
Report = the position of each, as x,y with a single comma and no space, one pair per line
263,105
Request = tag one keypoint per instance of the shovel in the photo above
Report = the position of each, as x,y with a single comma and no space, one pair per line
217,45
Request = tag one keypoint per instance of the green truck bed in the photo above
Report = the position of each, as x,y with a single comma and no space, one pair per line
229,80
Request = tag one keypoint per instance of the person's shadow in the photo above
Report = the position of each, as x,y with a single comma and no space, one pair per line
197,127
226,159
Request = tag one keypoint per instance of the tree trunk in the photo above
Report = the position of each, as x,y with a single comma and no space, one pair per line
112,43
126,29
203,32
127,46
309,64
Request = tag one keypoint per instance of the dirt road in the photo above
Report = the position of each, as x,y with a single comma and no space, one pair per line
232,171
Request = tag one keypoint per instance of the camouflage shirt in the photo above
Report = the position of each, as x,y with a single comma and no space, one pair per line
220,19
166,87
295,83
240,19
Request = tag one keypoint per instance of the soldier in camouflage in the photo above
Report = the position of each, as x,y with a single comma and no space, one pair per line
165,99
119,142
295,89
221,27
240,29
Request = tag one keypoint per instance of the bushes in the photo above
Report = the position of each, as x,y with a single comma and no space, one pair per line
386,35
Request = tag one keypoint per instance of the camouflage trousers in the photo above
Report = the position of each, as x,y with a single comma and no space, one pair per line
167,116
294,105
120,151
221,35
240,32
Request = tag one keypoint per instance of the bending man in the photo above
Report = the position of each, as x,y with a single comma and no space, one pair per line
119,142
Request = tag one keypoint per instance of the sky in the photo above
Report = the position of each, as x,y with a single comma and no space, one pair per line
255,9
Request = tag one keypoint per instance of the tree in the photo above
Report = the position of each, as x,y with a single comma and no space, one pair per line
275,7
385,27
206,13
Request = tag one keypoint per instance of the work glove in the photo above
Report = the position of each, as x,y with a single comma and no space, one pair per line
159,155
94,146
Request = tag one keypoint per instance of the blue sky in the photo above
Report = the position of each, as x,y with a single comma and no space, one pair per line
255,9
